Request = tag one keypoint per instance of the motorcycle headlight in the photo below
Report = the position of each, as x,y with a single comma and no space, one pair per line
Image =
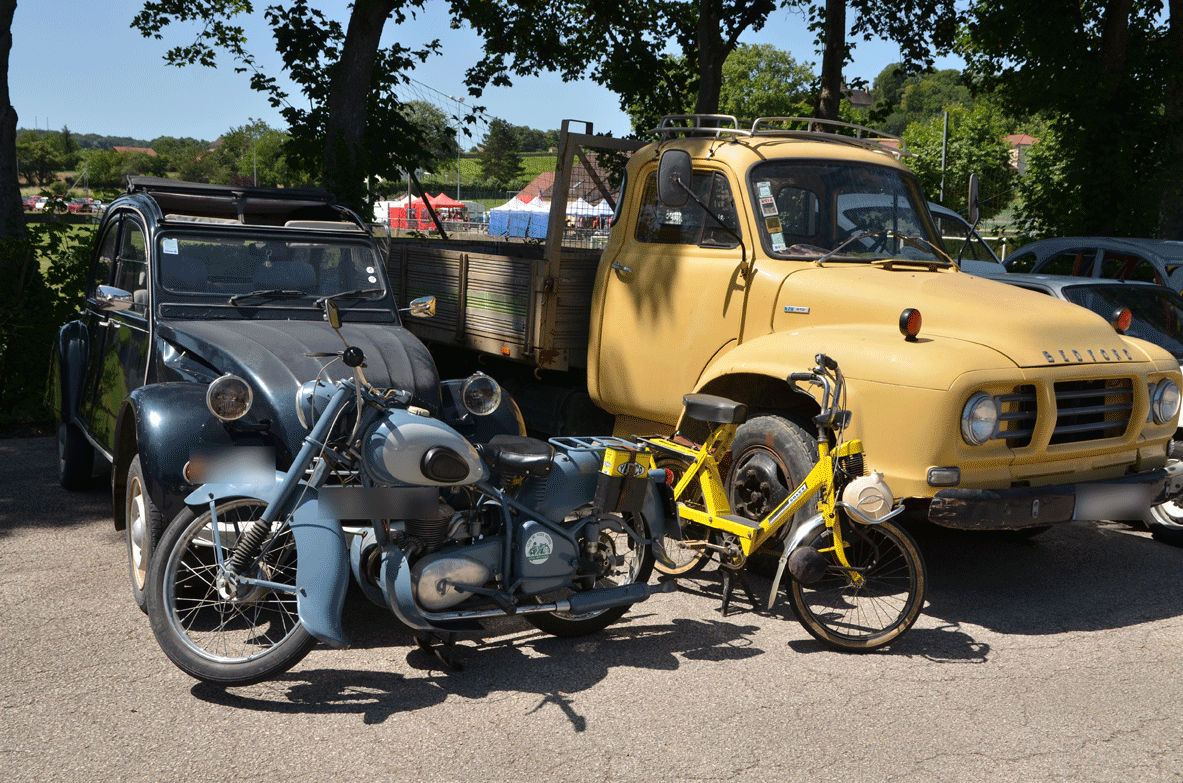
979,419
480,394
229,398
1164,403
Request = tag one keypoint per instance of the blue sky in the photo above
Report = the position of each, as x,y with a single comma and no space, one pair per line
79,64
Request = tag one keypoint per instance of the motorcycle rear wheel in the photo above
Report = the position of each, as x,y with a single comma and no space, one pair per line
632,562
223,641
863,617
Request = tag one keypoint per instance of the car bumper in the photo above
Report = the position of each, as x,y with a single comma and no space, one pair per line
1129,497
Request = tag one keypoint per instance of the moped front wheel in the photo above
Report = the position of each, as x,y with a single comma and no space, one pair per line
212,631
872,603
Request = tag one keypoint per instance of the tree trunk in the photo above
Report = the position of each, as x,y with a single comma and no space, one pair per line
1170,224
345,134
833,60
12,214
711,54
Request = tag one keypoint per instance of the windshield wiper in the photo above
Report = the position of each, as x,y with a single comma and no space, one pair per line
850,240
267,293
344,294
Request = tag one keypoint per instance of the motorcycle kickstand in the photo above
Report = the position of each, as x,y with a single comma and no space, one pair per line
730,577
444,650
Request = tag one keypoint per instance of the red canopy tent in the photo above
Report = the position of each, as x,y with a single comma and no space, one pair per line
443,201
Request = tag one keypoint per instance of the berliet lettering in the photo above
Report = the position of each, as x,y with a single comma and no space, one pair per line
1070,356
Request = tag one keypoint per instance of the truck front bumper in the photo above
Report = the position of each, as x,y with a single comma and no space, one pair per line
1125,498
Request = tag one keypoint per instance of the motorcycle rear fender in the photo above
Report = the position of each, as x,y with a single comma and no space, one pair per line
322,576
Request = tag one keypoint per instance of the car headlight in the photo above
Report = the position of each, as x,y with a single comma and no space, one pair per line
1164,403
480,394
979,419
229,398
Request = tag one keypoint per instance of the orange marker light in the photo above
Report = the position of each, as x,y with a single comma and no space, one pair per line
1121,320
910,323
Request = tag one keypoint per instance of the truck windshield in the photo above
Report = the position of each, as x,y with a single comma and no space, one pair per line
232,266
841,211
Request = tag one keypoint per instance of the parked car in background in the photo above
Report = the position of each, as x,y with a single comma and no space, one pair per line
1108,258
78,205
1156,316
195,288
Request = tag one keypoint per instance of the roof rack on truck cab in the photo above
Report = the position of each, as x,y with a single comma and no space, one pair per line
720,125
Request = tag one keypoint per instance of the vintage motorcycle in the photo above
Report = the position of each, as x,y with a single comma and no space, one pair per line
443,532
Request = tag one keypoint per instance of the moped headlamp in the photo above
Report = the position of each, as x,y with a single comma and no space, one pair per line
979,419
1164,403
229,398
480,394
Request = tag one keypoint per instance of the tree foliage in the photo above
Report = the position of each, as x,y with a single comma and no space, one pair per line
346,128
1110,74
976,145
763,81
499,160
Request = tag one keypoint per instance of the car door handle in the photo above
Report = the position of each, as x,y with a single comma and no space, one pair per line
616,265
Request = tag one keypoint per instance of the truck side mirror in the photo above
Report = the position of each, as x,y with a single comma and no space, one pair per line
673,178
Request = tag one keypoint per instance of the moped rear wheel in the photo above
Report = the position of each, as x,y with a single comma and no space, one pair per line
872,606
686,560
626,562
208,633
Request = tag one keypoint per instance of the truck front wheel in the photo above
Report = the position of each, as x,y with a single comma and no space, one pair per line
770,456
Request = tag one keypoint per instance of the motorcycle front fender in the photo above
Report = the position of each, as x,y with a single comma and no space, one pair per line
322,574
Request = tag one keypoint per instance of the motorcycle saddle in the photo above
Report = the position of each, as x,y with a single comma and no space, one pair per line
517,455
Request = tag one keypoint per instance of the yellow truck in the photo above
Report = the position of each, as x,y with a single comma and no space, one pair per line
985,406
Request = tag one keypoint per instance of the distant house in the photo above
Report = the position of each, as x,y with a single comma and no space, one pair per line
583,184
1019,144
145,150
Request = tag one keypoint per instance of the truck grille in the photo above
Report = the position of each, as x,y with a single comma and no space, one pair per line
1085,411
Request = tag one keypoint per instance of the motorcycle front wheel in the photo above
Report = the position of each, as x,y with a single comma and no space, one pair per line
216,637
872,604
626,561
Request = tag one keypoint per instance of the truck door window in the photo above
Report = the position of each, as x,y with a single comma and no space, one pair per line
689,224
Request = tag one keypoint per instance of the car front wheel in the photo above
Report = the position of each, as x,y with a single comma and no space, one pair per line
145,525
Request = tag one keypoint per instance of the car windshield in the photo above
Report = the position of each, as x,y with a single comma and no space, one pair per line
1157,311
841,211
239,266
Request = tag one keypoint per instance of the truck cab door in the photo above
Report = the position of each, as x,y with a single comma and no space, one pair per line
673,296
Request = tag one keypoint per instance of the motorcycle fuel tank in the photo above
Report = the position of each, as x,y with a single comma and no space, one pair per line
405,448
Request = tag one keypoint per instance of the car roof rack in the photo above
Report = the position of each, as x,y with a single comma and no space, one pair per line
803,128
248,205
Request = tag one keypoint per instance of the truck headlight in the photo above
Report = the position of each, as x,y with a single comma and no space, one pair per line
229,398
1164,403
979,419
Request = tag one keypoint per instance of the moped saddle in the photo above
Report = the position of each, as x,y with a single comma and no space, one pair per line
517,455
715,410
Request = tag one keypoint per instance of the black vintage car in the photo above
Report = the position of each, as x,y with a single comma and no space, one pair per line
193,283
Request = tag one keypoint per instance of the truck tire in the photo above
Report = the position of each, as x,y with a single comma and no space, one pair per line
770,456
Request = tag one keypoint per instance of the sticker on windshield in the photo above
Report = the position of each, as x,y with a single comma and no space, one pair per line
170,246
764,189
369,270
772,224
373,279
778,242
768,206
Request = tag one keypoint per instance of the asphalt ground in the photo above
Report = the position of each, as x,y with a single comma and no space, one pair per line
1056,659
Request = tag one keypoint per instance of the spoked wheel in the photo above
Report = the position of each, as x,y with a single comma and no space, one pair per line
206,629
621,561
687,560
875,603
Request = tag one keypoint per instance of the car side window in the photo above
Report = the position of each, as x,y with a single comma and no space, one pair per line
104,260
1024,263
1125,266
689,224
1077,262
131,273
